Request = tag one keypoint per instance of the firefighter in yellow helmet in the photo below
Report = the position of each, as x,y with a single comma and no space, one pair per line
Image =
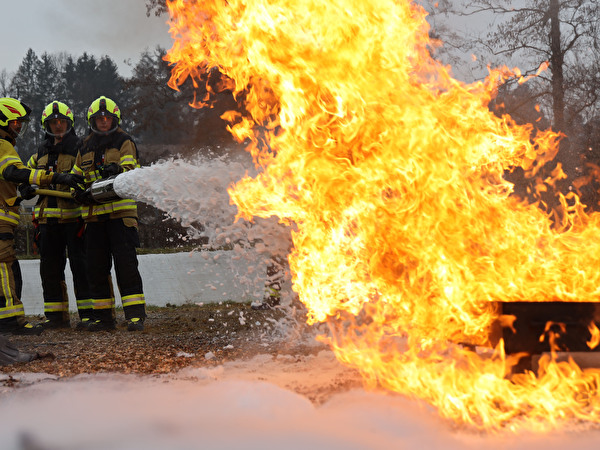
14,117
59,223
111,228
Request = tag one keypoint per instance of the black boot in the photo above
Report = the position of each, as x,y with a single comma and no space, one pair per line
54,324
135,324
101,325
83,323
103,320
19,327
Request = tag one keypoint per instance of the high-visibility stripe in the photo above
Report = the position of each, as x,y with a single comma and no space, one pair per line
87,303
127,160
32,163
10,217
35,176
57,213
119,205
8,161
77,170
104,303
12,311
56,306
130,300
92,176
5,281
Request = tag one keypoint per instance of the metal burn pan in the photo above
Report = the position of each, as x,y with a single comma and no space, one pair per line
569,323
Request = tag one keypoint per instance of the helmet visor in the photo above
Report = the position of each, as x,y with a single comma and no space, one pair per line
18,127
57,127
103,123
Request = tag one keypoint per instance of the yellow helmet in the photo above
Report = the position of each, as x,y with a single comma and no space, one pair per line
56,110
13,109
103,106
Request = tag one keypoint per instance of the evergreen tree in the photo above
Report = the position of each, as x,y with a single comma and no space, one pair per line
24,88
47,88
69,76
160,115
88,79
84,79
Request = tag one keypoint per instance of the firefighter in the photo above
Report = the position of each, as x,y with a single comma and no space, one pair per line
111,228
59,224
275,277
14,118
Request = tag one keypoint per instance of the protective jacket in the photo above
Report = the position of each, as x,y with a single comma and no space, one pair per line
12,170
52,158
97,152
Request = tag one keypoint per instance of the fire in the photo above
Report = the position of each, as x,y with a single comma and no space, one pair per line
393,173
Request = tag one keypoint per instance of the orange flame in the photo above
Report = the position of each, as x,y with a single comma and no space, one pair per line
407,236
594,336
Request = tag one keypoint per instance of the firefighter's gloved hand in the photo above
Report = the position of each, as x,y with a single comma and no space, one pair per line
110,169
84,197
70,179
27,191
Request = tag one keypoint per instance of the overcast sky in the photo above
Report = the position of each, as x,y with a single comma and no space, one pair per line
119,29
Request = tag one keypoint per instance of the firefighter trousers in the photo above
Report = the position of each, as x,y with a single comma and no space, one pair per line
109,240
56,242
11,282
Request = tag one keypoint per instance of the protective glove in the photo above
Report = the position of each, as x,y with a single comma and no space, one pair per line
70,179
27,191
110,169
84,197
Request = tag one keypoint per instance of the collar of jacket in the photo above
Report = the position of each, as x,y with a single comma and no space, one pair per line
7,137
60,147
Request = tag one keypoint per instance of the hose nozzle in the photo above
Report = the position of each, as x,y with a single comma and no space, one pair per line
103,191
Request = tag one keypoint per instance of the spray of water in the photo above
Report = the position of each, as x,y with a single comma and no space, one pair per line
194,192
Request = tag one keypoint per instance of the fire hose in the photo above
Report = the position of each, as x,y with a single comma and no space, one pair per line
100,191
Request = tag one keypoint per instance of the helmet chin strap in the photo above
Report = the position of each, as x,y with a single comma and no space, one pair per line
57,135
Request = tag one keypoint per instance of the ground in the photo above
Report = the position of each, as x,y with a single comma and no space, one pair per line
174,337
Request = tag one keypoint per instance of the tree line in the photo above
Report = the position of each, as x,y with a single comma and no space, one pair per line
151,112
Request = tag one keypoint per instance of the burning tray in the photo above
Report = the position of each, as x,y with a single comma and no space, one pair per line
535,321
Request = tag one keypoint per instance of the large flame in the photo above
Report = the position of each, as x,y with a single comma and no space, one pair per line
407,235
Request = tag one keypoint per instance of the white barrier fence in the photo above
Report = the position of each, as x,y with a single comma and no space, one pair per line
174,278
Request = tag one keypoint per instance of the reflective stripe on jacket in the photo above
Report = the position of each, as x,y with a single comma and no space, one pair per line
56,157
98,151
13,171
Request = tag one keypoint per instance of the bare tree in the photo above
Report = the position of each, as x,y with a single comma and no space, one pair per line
158,7
5,80
565,34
